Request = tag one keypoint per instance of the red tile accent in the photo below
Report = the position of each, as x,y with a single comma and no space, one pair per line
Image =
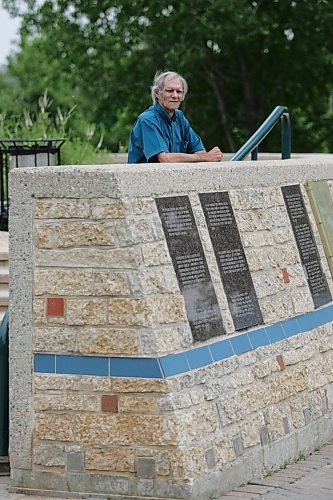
109,403
55,306
285,275
280,360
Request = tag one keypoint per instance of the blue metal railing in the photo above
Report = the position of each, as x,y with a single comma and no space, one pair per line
252,144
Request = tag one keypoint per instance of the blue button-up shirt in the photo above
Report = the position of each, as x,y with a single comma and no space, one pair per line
155,132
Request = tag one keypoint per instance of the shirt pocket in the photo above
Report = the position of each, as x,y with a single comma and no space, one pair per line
179,145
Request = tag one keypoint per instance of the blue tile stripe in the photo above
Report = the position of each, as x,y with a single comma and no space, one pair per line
186,361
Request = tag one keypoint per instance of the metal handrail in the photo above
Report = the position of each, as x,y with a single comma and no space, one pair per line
251,145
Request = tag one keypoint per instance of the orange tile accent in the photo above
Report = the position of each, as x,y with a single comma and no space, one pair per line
285,275
55,306
281,362
109,403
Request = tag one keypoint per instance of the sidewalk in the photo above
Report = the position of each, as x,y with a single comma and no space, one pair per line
307,479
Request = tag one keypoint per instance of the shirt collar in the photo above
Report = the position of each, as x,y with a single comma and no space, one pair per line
164,114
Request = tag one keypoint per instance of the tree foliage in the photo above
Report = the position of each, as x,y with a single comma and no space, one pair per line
240,57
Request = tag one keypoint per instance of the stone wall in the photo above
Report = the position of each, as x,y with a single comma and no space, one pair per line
109,393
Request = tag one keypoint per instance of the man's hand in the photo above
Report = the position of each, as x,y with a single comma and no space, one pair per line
214,154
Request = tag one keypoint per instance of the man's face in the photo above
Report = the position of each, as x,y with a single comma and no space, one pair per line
171,95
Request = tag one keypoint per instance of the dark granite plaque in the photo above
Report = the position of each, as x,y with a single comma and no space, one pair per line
191,268
231,259
306,245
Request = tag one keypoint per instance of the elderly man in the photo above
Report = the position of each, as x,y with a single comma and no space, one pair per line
162,133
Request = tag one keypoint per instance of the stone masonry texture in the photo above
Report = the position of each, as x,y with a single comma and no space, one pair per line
91,275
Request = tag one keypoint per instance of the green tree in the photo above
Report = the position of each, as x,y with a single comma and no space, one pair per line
241,58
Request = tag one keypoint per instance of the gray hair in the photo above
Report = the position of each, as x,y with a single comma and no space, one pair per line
158,83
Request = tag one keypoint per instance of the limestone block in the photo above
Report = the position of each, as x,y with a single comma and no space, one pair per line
281,236
188,463
66,402
124,311
274,422
54,339
282,255
107,208
266,367
316,374
278,217
223,446
44,236
115,258
286,384
230,408
302,300
295,408
72,383
280,308
197,396
199,423
316,399
80,234
49,455
163,465
257,239
219,386
86,311
62,209
329,396
256,197
54,427
110,283
174,402
107,340
126,429
143,205
135,230
160,341
168,309
244,377
297,276
160,280
137,404
39,311
156,254
63,282
327,366
257,259
111,459
250,430
253,220
140,385
292,357
254,398
268,283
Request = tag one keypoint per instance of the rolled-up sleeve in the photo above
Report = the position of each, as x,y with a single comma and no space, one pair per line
152,139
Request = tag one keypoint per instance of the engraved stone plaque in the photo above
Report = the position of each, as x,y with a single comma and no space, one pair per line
306,245
231,260
322,206
191,268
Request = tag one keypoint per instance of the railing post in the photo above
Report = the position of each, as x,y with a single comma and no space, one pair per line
254,154
285,136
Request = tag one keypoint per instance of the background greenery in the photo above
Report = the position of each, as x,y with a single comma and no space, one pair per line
92,61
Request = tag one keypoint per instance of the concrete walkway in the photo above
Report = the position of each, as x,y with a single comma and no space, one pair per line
307,479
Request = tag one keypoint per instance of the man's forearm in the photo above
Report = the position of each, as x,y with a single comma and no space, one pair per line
213,155
180,157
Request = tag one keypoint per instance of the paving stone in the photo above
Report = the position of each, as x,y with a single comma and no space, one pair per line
254,488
